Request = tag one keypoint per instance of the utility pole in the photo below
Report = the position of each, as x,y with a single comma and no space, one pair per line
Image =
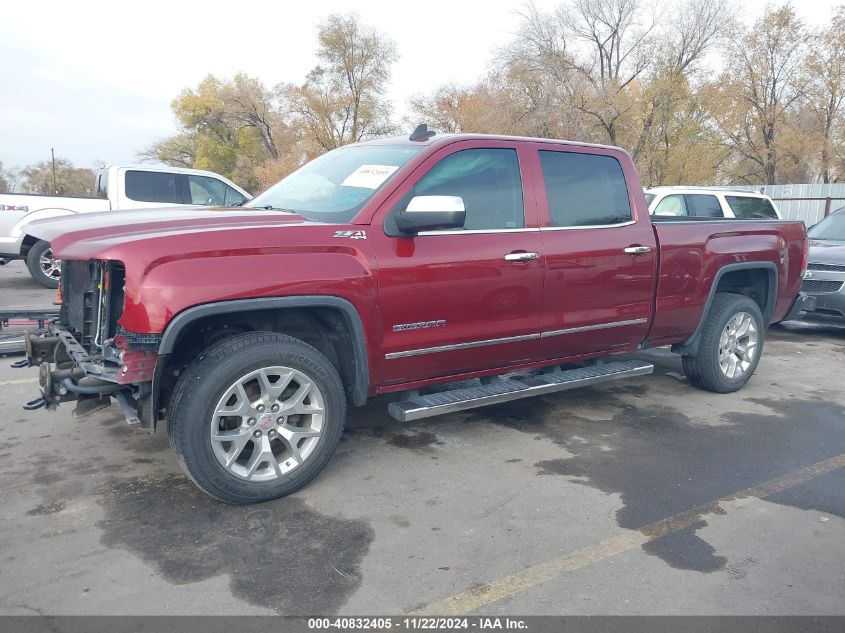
55,188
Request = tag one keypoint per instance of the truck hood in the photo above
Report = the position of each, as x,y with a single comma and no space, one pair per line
177,258
826,252
99,235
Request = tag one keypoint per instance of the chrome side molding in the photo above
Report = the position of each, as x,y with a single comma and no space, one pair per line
511,339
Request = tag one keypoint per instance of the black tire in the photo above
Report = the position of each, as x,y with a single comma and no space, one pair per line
703,370
204,382
33,263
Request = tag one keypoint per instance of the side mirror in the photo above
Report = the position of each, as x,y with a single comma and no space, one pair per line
428,213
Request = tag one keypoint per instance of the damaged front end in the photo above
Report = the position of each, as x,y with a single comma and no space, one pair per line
85,356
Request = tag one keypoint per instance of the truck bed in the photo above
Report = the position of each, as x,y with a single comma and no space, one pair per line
15,207
691,253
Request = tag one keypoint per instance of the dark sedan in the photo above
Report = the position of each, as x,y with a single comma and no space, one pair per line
825,276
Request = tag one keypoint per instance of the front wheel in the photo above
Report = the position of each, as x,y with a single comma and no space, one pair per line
44,268
731,344
256,417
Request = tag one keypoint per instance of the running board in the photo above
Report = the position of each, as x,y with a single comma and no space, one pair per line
499,391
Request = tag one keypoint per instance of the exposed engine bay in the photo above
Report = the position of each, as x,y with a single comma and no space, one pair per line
84,355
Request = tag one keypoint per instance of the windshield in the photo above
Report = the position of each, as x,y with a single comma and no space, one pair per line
649,197
831,228
334,187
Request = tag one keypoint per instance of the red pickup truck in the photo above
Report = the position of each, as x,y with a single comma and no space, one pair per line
397,265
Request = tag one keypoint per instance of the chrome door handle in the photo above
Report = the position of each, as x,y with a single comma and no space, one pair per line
521,257
637,250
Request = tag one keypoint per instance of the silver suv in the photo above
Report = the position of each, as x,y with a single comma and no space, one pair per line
825,276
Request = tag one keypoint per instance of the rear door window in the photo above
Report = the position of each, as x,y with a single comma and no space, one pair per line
584,189
206,191
672,206
751,208
152,186
704,206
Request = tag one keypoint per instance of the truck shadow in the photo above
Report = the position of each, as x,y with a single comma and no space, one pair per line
825,332
281,555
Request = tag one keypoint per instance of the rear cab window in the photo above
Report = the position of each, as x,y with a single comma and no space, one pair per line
584,190
103,184
703,205
152,186
751,208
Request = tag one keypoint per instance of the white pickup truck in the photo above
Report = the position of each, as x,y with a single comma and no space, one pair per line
117,187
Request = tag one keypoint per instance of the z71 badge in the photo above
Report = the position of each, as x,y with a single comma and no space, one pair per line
355,235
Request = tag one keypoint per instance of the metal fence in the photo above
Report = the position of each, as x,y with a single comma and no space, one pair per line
809,203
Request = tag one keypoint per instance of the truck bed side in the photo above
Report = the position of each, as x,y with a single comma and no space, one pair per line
699,258
18,209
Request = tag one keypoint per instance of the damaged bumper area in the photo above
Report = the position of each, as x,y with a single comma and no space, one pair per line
68,373
85,356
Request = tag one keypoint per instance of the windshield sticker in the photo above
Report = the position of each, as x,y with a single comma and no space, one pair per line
369,176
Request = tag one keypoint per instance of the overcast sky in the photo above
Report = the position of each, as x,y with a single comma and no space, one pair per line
95,79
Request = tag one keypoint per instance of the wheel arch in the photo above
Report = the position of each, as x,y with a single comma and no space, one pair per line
28,242
47,213
354,370
757,280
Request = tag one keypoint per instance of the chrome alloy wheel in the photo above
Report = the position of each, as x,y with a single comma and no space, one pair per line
49,265
267,423
738,345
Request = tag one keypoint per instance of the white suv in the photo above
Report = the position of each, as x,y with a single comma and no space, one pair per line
700,202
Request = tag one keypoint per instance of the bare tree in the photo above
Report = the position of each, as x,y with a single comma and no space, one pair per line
617,35
70,180
587,52
10,179
612,65
177,151
825,89
250,105
487,107
695,28
342,99
765,77
670,112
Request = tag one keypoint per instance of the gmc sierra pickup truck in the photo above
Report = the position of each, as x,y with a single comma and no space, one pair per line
397,265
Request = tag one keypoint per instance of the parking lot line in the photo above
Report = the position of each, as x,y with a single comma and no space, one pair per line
498,589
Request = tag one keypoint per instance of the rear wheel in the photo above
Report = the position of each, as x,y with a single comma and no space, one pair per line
256,417
731,344
44,268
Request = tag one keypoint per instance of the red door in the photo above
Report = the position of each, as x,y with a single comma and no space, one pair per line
465,299
600,260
